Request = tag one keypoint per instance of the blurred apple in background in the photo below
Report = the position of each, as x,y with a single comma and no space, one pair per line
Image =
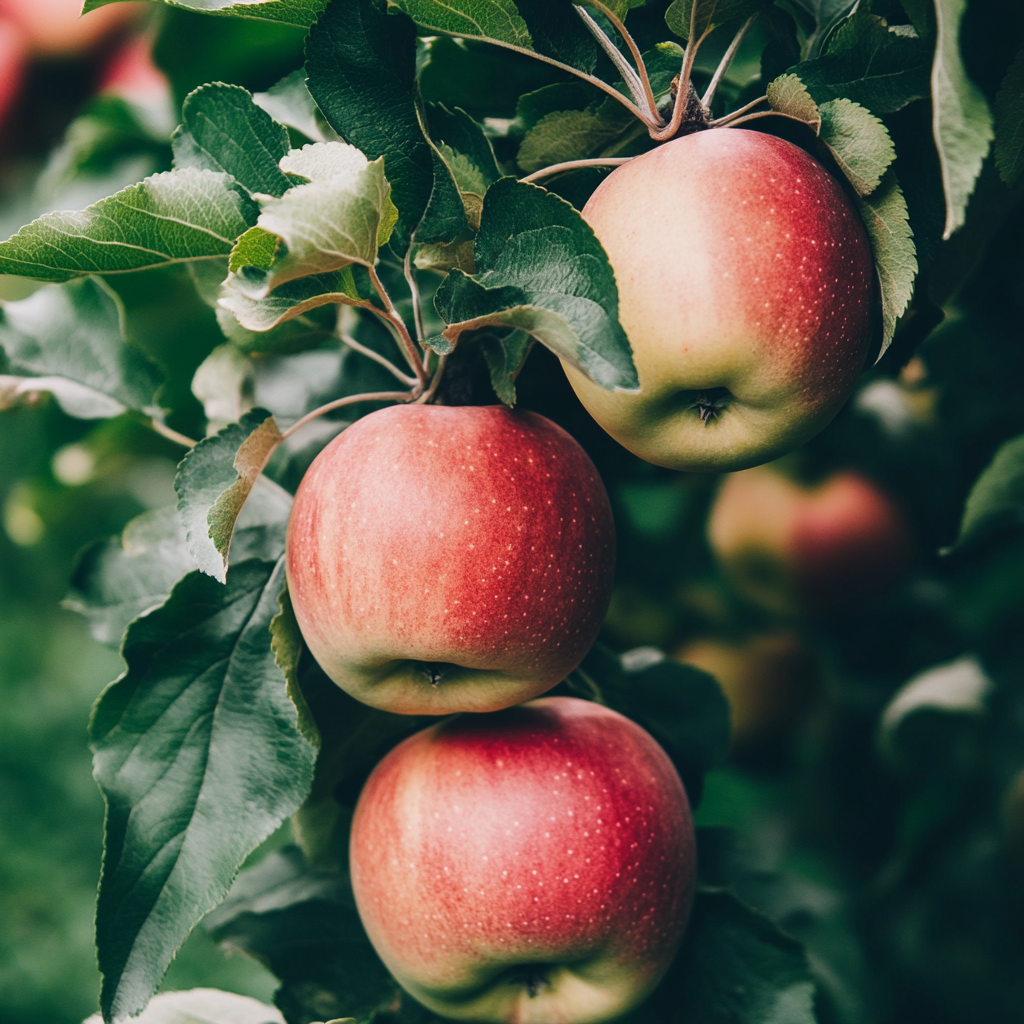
13,58
812,549
56,28
771,681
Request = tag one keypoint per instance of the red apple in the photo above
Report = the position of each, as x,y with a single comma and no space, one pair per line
796,548
769,679
533,866
447,559
746,287
13,58
131,73
56,28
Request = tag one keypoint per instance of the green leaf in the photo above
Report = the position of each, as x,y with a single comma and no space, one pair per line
256,248
494,20
466,148
788,95
569,135
341,216
885,217
505,357
1009,124
300,13
302,923
288,102
174,217
203,1006
214,480
826,14
867,63
736,967
289,300
117,580
541,270
361,64
710,14
996,501
69,339
961,120
446,216
286,643
859,142
224,130
199,756
306,331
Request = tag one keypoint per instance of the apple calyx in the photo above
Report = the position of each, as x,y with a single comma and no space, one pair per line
435,671
710,403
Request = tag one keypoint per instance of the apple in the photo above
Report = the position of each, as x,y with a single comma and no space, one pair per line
531,866
446,559
56,28
13,58
795,548
746,288
769,679
131,73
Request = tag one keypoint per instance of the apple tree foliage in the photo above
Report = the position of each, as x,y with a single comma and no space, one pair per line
379,226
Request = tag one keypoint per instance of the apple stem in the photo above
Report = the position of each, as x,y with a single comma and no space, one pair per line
391,316
735,121
723,64
417,307
570,165
684,88
172,435
371,396
725,121
435,381
356,346
638,82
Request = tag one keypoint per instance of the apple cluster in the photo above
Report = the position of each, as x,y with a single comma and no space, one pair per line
528,862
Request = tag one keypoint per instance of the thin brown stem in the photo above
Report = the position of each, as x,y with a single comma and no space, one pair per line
634,50
371,396
391,315
594,81
378,358
722,122
723,64
628,75
414,291
571,165
682,100
428,396
172,435
761,113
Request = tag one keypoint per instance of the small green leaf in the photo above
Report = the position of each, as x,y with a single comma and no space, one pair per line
885,217
288,102
199,756
224,130
203,1006
300,13
867,63
788,95
736,966
288,300
495,20
455,132
859,142
569,135
256,248
213,482
961,120
710,14
1009,124
505,357
361,64
540,269
69,339
445,217
996,500
174,217
302,922
287,647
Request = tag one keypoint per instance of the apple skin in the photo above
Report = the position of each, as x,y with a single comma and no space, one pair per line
532,866
741,265
13,59
472,538
794,549
769,679
56,28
